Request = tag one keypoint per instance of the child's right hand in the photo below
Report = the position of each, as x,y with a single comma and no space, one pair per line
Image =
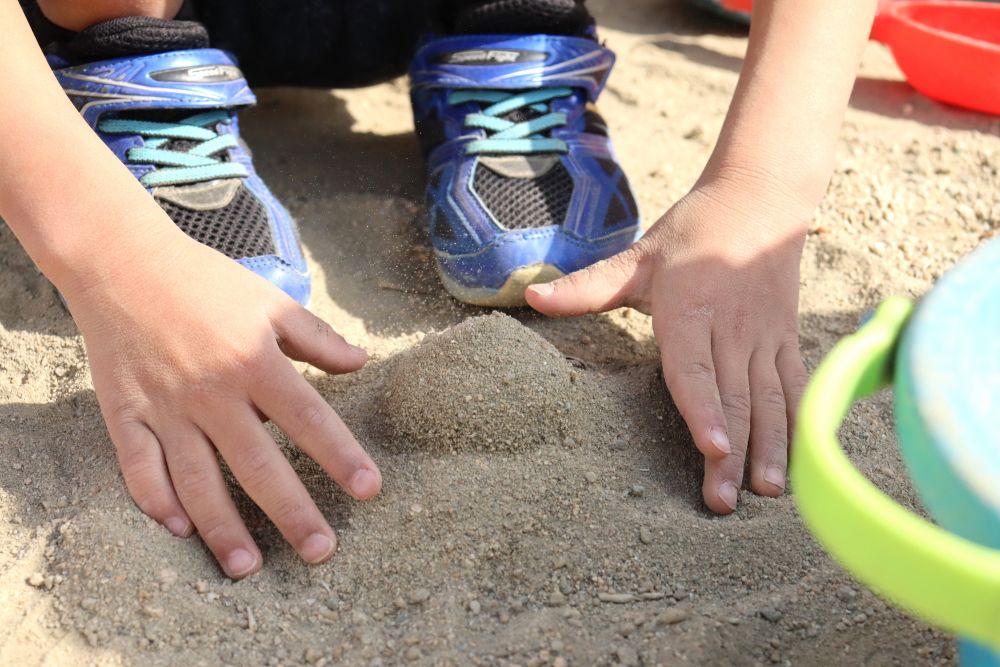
189,352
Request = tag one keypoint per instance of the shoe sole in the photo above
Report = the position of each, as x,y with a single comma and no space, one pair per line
511,294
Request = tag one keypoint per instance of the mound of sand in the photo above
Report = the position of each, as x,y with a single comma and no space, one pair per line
488,384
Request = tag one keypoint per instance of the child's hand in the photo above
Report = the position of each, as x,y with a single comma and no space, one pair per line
186,361
719,273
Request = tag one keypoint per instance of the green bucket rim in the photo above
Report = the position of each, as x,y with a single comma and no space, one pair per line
946,580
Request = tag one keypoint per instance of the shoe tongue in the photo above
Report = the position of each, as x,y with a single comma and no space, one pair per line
131,36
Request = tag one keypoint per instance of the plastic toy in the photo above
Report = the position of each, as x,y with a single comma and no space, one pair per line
945,362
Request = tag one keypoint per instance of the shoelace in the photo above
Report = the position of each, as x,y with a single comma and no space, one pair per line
509,137
172,167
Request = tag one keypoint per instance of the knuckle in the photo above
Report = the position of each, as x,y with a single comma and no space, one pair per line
193,477
736,405
246,359
698,370
777,445
255,465
771,398
310,418
134,460
216,531
255,468
294,517
125,415
798,381
151,504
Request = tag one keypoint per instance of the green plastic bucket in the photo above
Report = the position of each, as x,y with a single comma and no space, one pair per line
943,357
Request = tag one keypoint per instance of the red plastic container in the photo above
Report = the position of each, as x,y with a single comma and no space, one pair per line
948,50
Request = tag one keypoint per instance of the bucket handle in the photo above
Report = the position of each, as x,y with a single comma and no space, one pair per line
946,580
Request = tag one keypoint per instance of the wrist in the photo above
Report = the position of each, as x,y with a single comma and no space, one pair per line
762,193
103,250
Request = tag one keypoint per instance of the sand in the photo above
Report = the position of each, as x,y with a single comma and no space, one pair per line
541,502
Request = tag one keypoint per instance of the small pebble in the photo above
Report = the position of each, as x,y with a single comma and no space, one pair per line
645,535
637,491
617,598
771,614
474,606
627,656
846,594
590,476
672,616
153,612
37,580
420,596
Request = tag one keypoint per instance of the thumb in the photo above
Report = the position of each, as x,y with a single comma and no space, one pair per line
303,336
594,289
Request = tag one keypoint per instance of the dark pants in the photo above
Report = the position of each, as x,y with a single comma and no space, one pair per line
345,43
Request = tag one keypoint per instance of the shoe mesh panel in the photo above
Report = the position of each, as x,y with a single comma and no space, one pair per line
525,203
238,230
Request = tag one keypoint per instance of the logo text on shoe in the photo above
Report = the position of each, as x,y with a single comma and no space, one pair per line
199,74
492,57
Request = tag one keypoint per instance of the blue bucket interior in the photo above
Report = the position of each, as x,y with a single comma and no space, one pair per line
948,404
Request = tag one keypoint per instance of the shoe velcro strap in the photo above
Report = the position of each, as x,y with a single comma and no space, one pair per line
513,62
194,79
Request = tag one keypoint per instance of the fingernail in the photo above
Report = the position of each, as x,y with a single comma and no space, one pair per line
178,526
240,563
542,289
728,493
775,475
316,548
364,484
358,350
721,440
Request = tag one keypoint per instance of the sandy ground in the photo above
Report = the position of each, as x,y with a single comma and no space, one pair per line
541,504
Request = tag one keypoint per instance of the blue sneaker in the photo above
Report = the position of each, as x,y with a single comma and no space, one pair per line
171,118
523,184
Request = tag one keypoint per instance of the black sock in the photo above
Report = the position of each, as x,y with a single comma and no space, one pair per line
551,17
115,38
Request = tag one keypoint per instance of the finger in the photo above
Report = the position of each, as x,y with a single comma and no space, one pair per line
723,477
304,337
198,480
269,480
308,420
603,286
141,459
794,378
768,427
688,369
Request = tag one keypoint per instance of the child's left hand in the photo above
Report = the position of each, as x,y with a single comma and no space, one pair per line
719,273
